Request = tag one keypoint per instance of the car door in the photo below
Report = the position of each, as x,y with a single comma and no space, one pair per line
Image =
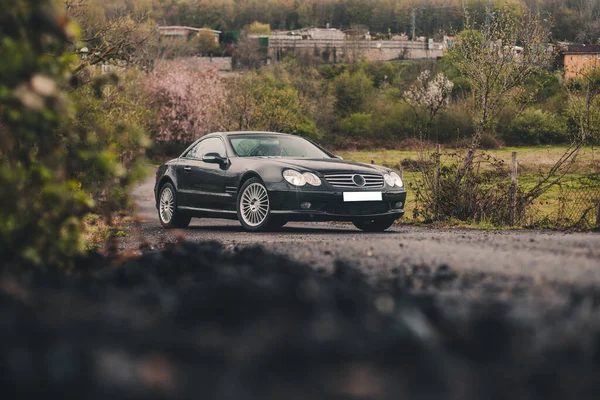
201,183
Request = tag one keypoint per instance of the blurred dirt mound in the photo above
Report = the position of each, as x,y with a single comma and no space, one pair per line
198,321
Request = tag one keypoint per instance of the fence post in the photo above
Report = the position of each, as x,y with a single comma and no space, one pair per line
598,216
438,172
513,189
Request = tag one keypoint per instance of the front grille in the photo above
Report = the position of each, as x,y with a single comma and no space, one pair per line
347,180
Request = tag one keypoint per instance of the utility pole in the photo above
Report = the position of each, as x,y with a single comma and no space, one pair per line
413,20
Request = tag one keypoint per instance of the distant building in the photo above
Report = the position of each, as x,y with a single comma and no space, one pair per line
357,34
448,42
186,32
581,59
309,34
402,36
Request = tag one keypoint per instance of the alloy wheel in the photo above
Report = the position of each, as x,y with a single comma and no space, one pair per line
167,205
254,204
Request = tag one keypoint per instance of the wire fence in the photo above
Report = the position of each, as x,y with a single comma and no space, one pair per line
519,191
579,203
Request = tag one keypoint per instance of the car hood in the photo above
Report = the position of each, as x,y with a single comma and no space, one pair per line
326,166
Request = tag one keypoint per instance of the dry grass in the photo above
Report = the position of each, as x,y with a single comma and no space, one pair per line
529,158
97,231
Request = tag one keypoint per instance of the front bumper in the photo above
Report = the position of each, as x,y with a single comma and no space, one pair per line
329,205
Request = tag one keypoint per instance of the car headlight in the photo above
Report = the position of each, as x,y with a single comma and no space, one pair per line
397,180
312,179
388,179
294,177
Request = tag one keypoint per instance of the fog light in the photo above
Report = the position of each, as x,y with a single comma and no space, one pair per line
306,205
398,205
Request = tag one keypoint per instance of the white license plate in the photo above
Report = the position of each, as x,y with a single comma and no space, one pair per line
362,196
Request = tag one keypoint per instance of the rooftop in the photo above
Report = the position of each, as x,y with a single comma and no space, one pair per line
583,49
189,28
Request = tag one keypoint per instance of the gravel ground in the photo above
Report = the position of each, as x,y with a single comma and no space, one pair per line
554,256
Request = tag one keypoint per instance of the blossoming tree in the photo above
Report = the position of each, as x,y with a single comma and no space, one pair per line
429,94
189,94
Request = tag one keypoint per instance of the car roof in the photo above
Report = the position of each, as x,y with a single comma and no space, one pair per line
241,133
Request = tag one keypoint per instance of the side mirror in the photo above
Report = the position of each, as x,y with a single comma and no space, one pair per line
213,158
338,157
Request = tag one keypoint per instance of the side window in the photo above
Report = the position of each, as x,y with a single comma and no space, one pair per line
211,145
192,152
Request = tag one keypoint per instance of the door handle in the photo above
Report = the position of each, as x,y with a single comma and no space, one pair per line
187,169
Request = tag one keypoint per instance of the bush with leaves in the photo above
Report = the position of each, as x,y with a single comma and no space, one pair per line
352,91
535,127
43,152
204,43
263,101
357,125
114,113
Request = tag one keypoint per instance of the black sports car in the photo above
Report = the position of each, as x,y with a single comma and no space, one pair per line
266,179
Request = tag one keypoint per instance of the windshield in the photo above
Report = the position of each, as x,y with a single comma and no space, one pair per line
275,146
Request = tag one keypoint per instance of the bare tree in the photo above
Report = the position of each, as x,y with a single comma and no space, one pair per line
497,59
589,16
584,104
120,35
248,53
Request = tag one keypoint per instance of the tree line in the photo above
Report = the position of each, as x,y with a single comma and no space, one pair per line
571,20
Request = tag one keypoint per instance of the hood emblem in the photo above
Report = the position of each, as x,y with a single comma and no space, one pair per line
358,180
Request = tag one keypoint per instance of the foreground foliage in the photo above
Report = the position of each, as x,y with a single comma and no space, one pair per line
55,165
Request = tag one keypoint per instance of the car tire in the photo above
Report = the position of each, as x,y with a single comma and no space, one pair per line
168,215
254,206
374,225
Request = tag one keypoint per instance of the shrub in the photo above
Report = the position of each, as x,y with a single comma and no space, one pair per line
535,127
204,43
483,194
257,28
357,125
352,91
490,142
262,101
381,73
44,154
393,120
453,124
116,112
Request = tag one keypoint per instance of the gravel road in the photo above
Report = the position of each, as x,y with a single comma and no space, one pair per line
541,255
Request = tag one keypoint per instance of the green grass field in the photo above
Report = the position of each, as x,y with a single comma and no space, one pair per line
532,163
